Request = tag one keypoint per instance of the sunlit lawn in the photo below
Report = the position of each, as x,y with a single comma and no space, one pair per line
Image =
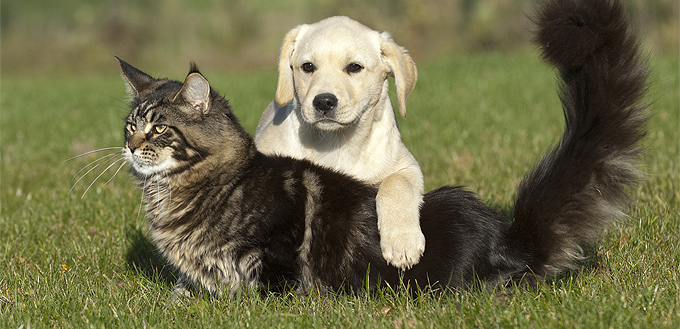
77,256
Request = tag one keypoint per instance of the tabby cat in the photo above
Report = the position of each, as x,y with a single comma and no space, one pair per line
228,217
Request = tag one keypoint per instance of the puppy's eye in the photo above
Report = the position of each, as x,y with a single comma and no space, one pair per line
308,67
354,68
130,127
160,128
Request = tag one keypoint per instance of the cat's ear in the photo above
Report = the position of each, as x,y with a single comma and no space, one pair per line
137,81
195,91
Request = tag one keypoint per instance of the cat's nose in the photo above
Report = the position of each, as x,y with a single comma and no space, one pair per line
135,142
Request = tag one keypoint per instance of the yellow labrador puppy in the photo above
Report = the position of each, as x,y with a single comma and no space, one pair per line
332,107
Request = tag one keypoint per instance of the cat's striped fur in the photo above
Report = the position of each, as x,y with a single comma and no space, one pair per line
228,217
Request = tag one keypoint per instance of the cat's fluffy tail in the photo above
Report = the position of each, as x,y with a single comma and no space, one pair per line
580,186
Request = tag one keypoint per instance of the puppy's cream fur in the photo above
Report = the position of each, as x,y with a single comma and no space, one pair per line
359,136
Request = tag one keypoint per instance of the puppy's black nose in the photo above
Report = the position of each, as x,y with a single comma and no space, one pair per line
325,103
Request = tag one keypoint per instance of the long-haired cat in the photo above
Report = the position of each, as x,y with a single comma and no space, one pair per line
228,217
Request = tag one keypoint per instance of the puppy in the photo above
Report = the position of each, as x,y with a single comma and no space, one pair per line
332,107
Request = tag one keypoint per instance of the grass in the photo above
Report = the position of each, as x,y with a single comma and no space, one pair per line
80,35
474,120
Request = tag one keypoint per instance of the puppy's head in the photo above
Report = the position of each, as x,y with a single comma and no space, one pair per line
337,68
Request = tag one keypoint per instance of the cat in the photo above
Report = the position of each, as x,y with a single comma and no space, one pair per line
228,217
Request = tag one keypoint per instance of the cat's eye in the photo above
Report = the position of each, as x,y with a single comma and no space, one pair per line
308,67
131,128
160,128
354,68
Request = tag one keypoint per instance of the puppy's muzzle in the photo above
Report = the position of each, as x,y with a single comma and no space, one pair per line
325,103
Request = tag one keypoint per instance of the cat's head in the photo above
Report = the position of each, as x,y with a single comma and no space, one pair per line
173,125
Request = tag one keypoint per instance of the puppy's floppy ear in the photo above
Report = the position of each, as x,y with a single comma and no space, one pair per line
402,68
285,90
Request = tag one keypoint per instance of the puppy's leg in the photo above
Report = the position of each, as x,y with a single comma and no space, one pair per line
398,205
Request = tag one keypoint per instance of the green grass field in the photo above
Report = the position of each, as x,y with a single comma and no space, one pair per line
474,120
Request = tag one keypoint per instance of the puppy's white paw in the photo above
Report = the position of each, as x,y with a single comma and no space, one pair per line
402,249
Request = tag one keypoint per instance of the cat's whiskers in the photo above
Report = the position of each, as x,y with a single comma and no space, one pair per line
98,162
141,200
168,199
158,194
100,159
153,193
102,173
93,151
117,171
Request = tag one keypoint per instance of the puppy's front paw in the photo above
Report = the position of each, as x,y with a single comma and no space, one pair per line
402,249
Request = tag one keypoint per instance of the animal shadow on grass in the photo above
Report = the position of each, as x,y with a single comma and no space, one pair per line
144,258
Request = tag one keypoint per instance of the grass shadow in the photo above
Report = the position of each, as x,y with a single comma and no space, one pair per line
143,258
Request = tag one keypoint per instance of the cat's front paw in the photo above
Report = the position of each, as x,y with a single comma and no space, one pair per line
180,295
402,249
